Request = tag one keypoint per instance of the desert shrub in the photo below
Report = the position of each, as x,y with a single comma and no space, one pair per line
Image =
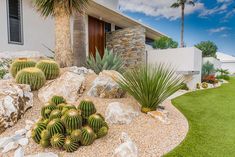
184,86
164,43
63,126
208,48
110,61
50,68
150,85
223,74
198,86
209,79
207,69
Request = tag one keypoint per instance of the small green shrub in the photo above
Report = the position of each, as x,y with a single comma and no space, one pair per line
207,69
50,68
20,64
204,85
31,76
164,43
110,61
150,85
184,86
198,86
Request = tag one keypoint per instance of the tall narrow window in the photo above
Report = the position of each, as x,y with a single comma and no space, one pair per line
15,34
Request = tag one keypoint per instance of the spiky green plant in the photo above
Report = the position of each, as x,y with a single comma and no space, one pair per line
88,136
55,114
37,130
67,107
45,135
20,64
76,135
57,141
61,106
50,68
56,126
58,99
31,76
110,61
150,85
70,145
204,85
95,122
72,120
45,143
102,132
87,108
47,109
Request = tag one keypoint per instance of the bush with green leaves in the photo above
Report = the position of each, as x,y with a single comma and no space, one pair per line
151,85
110,61
208,48
164,43
207,69
223,74
4,67
62,126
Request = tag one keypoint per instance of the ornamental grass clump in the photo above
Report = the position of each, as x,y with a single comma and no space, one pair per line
110,61
151,85
63,126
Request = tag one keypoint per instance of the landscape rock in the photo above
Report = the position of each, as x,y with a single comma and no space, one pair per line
23,141
69,85
10,146
161,115
4,141
118,113
15,100
104,86
20,132
19,152
50,154
28,134
7,76
127,148
79,70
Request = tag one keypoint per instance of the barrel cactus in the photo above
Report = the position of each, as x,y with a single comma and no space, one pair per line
55,114
87,108
76,135
72,120
57,141
31,76
55,126
88,136
45,143
45,135
95,122
102,132
47,109
58,100
204,85
61,106
67,107
37,130
50,68
20,64
70,145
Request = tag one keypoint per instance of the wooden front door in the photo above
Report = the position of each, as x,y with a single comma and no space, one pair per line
96,36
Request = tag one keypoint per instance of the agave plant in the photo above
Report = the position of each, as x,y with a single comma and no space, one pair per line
151,85
110,61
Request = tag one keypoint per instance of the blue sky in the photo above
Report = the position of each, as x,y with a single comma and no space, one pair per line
209,20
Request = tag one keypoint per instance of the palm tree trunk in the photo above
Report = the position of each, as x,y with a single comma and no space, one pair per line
63,49
79,40
182,26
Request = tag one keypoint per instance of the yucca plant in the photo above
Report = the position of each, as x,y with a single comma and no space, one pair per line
110,61
151,85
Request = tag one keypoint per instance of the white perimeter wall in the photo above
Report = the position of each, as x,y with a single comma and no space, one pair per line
214,61
182,59
230,66
36,30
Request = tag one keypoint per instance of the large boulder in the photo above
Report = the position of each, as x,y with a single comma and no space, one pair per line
15,99
79,70
69,85
105,85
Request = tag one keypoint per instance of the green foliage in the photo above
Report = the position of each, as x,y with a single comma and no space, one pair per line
55,114
95,122
204,85
45,143
50,68
55,126
70,145
58,99
208,48
87,108
20,64
164,43
76,135
72,120
207,69
88,136
102,132
150,85
45,135
184,86
46,110
198,86
57,141
37,130
224,74
50,7
110,61
31,76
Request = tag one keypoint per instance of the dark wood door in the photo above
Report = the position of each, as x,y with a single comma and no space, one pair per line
96,35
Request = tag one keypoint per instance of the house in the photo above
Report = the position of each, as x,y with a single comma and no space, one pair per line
103,25
227,62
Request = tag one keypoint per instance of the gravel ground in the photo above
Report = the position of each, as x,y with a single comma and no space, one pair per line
152,137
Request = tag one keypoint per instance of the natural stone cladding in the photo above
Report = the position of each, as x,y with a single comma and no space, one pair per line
129,43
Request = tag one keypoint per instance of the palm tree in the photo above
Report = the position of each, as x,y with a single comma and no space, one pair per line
182,3
62,10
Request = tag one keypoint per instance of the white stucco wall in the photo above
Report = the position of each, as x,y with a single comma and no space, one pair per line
230,66
212,60
183,60
36,30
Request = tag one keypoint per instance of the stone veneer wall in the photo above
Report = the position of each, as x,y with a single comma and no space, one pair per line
129,43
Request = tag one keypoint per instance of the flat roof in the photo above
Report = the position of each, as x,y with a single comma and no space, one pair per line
114,16
225,58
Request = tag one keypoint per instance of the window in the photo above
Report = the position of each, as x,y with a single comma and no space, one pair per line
14,12
149,41
107,27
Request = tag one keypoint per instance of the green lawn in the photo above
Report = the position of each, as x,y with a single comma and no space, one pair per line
211,117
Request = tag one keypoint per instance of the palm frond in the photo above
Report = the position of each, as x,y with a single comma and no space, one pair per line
175,5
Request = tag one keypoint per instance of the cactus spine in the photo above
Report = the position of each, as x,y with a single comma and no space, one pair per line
88,136
72,120
50,68
55,126
57,141
37,130
70,145
58,100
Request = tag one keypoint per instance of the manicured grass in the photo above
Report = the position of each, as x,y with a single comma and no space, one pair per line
211,117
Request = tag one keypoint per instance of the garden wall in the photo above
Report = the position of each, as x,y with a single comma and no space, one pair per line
129,43
212,60
186,61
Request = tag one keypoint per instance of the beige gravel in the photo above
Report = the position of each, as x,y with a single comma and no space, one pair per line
152,137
